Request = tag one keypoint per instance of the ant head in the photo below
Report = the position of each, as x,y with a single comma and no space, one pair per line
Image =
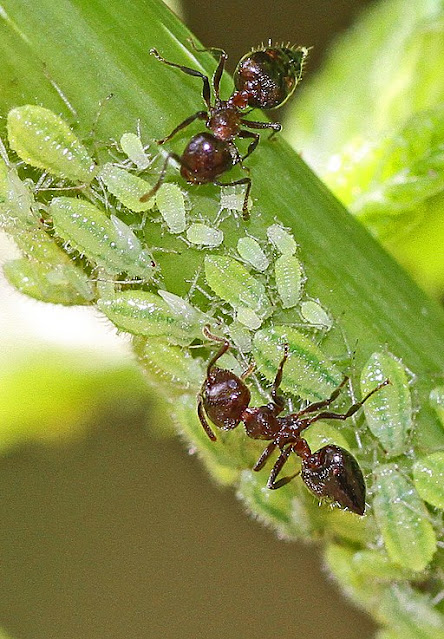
225,397
334,473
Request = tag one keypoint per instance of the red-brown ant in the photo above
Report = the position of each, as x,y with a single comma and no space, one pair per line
264,79
330,472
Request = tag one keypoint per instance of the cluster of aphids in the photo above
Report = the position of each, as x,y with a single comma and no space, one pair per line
330,472
264,79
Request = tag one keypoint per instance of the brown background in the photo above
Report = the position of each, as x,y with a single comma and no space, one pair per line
92,548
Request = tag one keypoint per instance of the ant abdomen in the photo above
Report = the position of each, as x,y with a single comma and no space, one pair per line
334,473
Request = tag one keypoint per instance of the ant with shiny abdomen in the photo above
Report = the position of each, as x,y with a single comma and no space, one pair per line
264,79
330,472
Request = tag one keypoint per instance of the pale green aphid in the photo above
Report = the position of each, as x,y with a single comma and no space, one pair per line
437,401
126,187
377,564
428,476
171,205
232,199
412,613
61,284
172,363
251,252
109,243
288,275
322,434
42,139
231,281
204,235
143,313
191,315
307,372
402,518
241,337
248,318
16,200
283,241
389,411
314,314
131,145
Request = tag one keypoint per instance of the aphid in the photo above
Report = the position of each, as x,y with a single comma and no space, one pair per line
283,241
288,275
428,476
132,146
329,472
403,520
264,79
248,318
251,252
42,139
204,235
126,187
109,243
389,414
231,281
314,314
171,205
144,313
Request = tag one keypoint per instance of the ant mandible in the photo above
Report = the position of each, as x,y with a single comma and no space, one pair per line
330,472
264,79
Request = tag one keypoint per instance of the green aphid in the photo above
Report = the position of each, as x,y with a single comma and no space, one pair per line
231,281
281,239
250,251
428,476
288,275
389,411
204,235
107,242
171,205
126,187
42,139
308,372
132,146
403,520
314,314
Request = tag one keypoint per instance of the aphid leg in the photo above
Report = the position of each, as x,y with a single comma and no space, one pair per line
203,420
247,181
278,400
264,456
279,464
223,349
206,93
251,124
252,145
248,371
351,411
200,115
313,408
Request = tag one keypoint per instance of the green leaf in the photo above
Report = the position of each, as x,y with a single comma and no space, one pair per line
428,475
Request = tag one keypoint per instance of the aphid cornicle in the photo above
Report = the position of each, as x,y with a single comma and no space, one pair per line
330,472
265,79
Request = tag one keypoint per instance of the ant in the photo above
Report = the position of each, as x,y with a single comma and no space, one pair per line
264,78
329,472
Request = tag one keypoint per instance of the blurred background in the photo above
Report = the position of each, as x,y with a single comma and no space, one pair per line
108,529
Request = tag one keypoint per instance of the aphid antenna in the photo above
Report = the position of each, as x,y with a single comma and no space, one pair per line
4,154
59,91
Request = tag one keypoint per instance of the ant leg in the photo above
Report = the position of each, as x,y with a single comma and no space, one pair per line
223,57
252,145
312,408
162,174
203,420
206,93
279,464
278,400
247,181
223,349
201,115
276,126
351,411
264,457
